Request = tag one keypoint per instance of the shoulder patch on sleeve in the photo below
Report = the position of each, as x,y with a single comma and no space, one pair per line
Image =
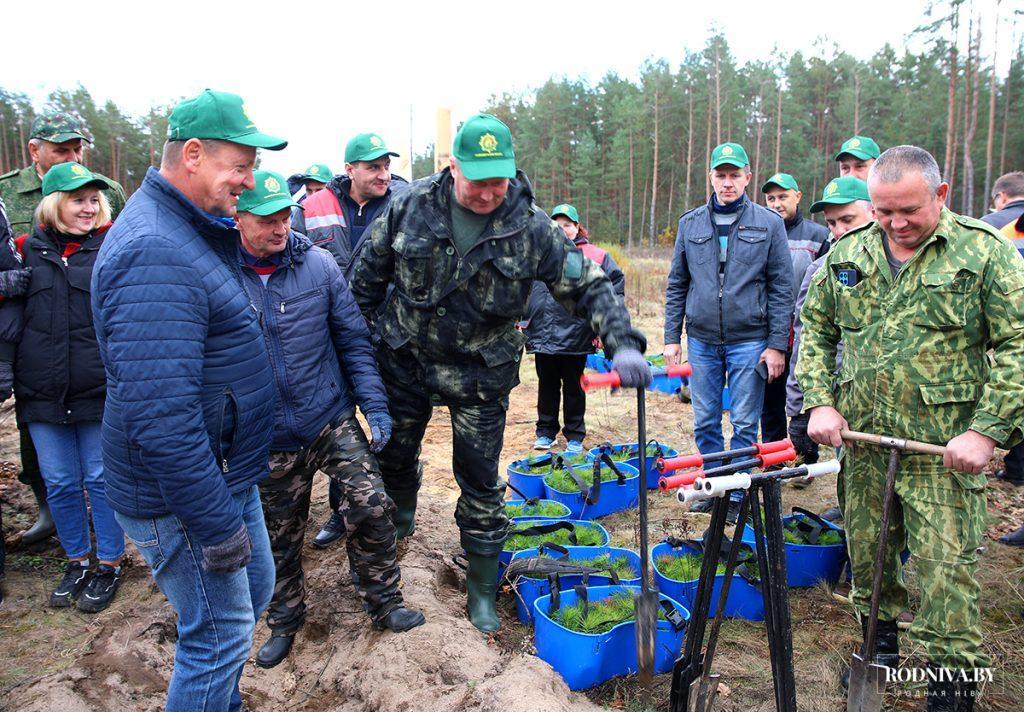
572,269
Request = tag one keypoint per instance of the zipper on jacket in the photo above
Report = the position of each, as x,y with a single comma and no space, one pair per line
226,397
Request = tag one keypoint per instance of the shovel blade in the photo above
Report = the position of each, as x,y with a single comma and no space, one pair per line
646,627
707,693
867,686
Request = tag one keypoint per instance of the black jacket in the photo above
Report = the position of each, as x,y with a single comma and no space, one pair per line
58,373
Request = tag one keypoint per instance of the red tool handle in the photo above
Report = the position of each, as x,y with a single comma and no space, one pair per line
776,458
774,446
590,381
680,462
682,480
682,370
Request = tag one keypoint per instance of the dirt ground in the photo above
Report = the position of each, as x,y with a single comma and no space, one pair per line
121,659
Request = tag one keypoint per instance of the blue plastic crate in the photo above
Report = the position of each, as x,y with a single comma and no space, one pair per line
565,513
652,474
614,497
744,601
520,522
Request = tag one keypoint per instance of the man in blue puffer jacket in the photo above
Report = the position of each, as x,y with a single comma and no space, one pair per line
318,344
190,394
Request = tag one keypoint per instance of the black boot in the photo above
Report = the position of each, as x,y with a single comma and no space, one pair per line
275,650
832,514
405,512
44,526
1015,538
701,506
332,530
400,620
887,646
481,592
947,692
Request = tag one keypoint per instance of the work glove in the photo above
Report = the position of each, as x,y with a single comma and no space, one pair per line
802,442
230,555
380,430
632,367
6,380
14,282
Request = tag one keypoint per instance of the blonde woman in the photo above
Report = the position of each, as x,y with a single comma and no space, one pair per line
59,381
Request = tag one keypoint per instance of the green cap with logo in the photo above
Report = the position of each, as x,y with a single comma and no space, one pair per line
319,172
366,147
67,177
221,116
860,147
566,210
268,197
483,148
840,191
781,180
729,154
58,127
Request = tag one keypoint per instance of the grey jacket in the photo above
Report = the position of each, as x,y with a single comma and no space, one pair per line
756,299
1001,218
807,242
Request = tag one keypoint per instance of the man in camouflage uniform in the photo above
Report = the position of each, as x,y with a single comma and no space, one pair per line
55,138
324,366
461,249
918,299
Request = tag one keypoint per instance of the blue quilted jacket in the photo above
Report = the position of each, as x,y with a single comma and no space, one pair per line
190,394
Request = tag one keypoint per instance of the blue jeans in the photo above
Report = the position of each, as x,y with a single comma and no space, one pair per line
711,364
71,461
217,613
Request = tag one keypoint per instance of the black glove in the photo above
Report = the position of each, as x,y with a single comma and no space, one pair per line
230,555
14,282
802,443
632,367
6,380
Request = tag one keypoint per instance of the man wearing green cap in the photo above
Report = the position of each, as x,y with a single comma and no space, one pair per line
321,342
856,155
190,394
461,250
56,137
807,242
929,307
315,178
732,282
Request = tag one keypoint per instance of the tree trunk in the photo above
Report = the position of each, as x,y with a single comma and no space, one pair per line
643,216
990,138
718,99
778,131
24,145
654,173
689,147
671,195
707,156
970,114
1006,118
856,104
947,170
629,238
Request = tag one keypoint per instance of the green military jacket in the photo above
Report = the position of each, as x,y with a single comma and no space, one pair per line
458,313
22,190
929,355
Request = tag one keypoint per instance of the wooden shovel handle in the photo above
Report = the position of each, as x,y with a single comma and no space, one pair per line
891,442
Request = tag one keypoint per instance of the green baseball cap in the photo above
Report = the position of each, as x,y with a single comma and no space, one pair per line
782,180
319,172
71,176
221,116
268,197
840,191
483,148
366,147
731,154
58,127
860,147
566,210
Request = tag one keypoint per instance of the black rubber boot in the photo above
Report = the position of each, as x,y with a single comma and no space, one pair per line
949,693
405,512
400,620
275,650
481,592
887,646
44,526
1014,538
332,530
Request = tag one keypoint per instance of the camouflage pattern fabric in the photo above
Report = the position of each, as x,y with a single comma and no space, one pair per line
22,190
916,365
342,452
58,127
447,335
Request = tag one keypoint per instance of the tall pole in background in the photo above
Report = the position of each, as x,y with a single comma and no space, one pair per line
443,143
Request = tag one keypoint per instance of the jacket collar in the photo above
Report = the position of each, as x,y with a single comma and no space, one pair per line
160,189
28,180
510,217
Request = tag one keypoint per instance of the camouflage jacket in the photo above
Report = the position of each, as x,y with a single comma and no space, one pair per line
916,359
22,190
458,312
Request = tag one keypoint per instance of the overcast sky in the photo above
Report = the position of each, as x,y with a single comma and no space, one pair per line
318,77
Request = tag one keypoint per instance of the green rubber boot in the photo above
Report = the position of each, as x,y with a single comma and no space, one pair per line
481,591
405,512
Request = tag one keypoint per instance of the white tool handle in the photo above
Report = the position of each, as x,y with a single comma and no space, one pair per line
831,467
720,486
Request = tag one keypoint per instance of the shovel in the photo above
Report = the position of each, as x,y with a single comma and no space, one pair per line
867,678
647,602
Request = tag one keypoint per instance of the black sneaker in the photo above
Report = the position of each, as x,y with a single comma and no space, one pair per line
76,578
100,590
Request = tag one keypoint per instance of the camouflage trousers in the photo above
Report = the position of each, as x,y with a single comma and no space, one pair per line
342,452
940,517
478,430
